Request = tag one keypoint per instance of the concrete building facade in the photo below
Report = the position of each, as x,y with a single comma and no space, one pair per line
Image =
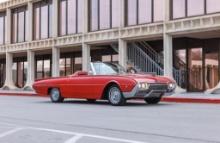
50,38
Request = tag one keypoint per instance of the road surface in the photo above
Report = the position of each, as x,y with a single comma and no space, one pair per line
37,120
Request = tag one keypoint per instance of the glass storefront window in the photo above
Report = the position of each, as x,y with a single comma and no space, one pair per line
2,72
47,70
62,67
43,66
39,72
19,70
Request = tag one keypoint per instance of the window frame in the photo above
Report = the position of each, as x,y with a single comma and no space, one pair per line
16,11
186,11
3,15
39,5
98,19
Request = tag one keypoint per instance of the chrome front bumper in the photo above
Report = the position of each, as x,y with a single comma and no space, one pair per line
151,92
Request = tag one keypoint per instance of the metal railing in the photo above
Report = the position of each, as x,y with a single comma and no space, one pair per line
145,63
142,61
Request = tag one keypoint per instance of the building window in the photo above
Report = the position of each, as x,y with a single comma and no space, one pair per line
213,6
43,66
179,10
2,72
195,7
70,63
144,11
189,8
19,21
104,14
19,70
43,20
2,28
70,17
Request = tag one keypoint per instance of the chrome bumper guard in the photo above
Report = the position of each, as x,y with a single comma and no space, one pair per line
155,90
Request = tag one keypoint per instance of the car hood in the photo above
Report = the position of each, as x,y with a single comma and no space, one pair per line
149,78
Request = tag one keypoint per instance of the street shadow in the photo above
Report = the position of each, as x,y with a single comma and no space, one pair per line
106,103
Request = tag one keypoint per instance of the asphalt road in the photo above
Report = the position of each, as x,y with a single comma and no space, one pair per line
37,120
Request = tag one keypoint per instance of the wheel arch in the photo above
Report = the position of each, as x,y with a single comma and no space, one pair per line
105,90
50,88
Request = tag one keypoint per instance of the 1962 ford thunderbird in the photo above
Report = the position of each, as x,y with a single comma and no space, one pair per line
106,81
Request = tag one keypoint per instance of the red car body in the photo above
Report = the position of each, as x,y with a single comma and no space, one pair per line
84,86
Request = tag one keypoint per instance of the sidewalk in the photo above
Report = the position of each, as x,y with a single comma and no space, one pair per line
193,98
17,93
177,98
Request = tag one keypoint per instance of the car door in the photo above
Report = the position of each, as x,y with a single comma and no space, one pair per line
80,87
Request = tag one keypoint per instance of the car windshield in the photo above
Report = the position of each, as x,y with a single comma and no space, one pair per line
100,68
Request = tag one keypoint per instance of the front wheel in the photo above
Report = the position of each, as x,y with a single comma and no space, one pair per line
115,96
55,95
152,100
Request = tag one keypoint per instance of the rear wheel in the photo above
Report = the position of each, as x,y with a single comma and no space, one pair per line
55,95
152,100
115,96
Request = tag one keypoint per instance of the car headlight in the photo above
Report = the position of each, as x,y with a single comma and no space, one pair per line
171,86
143,86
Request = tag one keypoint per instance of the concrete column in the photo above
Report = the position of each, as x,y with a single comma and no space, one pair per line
168,55
122,52
86,16
9,84
30,21
55,18
86,57
30,70
55,62
8,26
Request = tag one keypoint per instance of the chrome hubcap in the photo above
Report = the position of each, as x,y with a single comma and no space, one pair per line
55,94
114,95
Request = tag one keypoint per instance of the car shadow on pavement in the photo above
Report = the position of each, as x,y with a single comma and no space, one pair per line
106,103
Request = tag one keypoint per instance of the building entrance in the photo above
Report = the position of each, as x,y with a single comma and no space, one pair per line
199,59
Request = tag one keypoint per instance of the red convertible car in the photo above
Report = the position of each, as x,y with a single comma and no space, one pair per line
106,81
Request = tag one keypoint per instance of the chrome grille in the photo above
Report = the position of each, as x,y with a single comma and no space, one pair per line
158,87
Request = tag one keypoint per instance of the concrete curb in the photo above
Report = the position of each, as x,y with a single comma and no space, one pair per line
191,100
17,94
